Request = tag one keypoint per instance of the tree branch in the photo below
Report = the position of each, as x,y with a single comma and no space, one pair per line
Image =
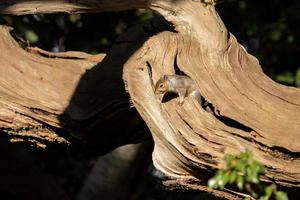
24,7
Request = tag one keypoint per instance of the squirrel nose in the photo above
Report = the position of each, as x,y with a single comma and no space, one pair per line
160,97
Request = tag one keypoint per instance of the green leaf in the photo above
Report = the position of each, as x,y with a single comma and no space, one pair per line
251,174
226,177
256,167
268,191
229,158
240,166
220,179
74,18
232,177
221,183
275,35
297,78
212,183
286,77
280,195
254,194
144,15
242,5
230,161
243,171
246,155
261,168
290,39
31,36
263,198
240,182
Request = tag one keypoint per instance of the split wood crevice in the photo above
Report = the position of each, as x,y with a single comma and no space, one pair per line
257,114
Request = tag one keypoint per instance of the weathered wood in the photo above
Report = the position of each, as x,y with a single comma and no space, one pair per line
187,136
25,7
255,112
36,89
43,94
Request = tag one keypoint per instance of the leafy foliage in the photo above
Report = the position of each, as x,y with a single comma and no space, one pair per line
243,172
268,30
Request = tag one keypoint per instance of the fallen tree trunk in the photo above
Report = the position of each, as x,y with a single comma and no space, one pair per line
35,89
255,113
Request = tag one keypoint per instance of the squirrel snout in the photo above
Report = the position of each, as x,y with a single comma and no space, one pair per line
160,97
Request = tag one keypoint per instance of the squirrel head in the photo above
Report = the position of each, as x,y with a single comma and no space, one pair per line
162,85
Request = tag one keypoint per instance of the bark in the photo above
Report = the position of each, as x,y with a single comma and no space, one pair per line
53,92
255,113
35,89
23,7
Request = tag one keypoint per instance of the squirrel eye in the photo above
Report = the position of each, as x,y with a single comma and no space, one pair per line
161,85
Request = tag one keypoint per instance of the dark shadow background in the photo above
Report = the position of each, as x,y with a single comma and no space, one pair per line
268,29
